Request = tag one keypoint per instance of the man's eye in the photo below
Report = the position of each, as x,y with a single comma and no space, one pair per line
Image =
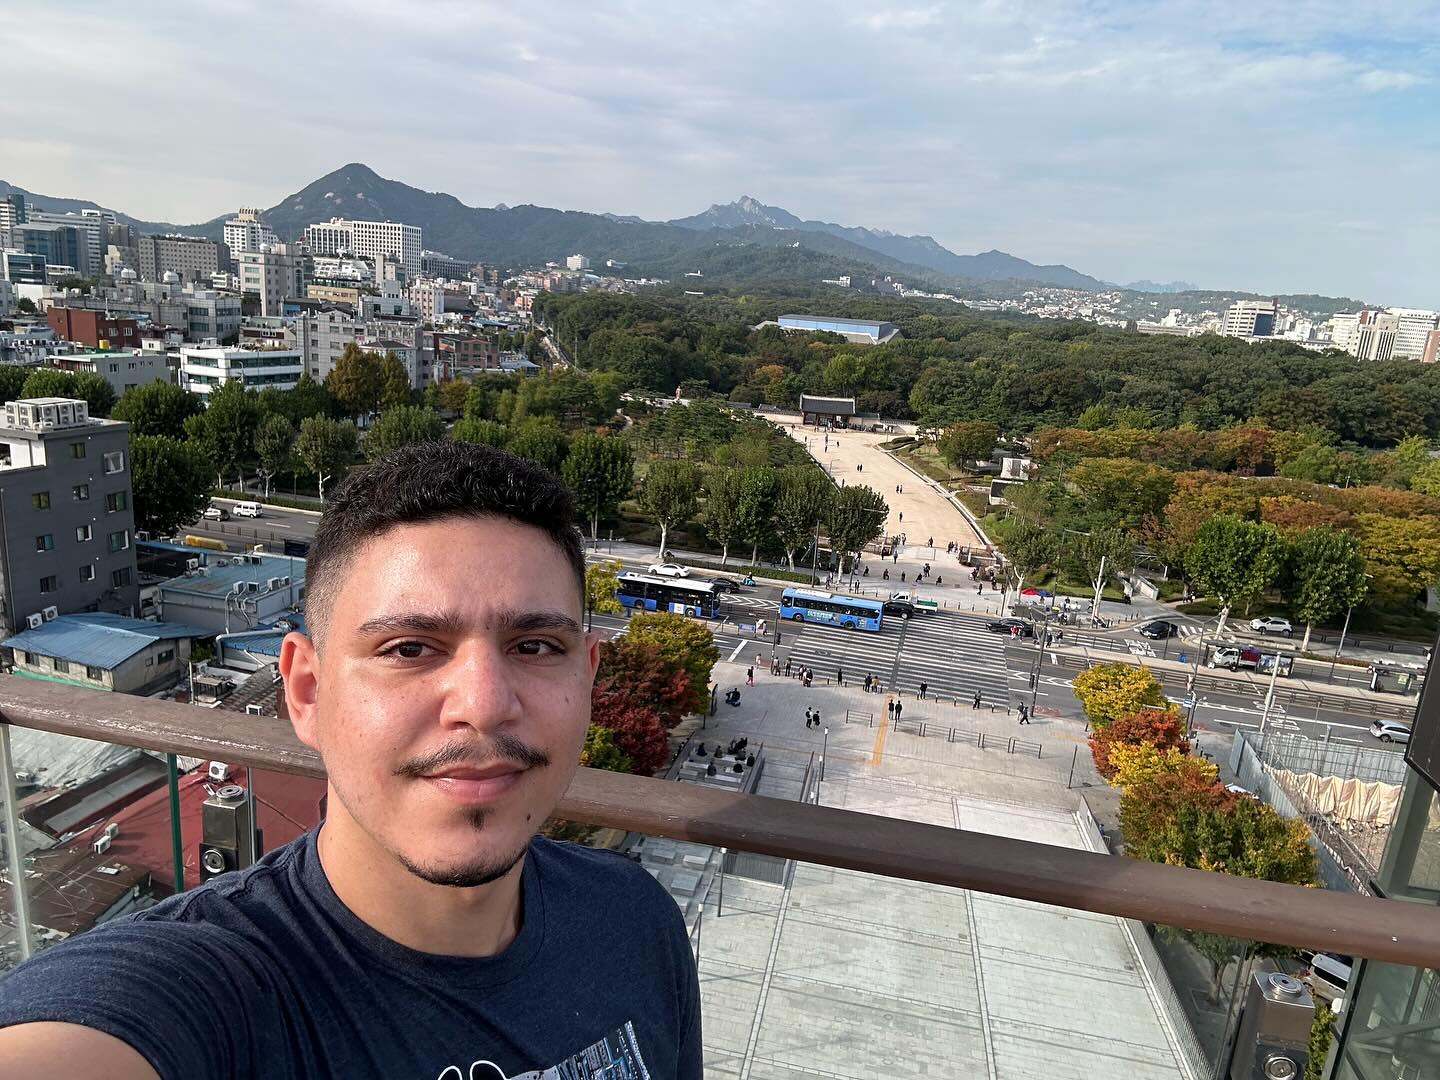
407,650
539,648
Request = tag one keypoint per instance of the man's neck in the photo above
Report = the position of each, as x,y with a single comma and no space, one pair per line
438,919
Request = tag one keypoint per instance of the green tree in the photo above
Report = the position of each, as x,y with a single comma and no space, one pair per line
670,493
756,508
356,382
170,480
722,508
1029,549
400,426
1120,490
857,516
394,382
1322,1033
156,409
801,503
1102,552
327,447
602,580
600,469
600,751
1403,554
1326,576
1426,478
541,440
1235,561
26,306
1110,692
479,403
685,643
308,398
94,390
274,439
226,429
963,444
12,381
470,429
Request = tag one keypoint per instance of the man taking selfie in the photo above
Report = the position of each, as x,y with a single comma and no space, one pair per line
423,930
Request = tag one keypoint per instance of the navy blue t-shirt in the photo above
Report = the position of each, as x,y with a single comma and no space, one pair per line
266,973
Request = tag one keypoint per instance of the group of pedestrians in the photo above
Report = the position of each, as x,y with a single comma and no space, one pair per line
812,717
804,674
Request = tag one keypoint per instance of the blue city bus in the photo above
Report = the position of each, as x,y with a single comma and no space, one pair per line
647,593
833,609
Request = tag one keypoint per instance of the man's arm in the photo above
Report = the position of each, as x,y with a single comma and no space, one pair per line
36,1051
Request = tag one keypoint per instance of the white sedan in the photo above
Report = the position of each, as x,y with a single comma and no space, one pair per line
1271,625
670,569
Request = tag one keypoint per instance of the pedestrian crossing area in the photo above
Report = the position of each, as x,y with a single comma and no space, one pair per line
954,655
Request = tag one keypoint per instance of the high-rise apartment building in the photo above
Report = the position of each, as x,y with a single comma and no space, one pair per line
246,232
13,211
1412,327
434,264
193,258
58,245
577,262
275,273
1250,318
68,525
371,239
93,229
1375,336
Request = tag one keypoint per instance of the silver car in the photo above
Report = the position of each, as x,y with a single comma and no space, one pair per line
1390,731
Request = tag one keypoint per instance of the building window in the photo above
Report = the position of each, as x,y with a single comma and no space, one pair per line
114,368
80,492
115,501
165,656
119,541
120,578
45,542
77,450
114,462
87,572
49,583
98,674
82,533
40,500
28,658
61,666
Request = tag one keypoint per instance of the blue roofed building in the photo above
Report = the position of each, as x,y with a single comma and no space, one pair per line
101,651
860,331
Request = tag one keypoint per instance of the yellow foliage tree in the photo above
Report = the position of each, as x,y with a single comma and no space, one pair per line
1140,763
600,585
1110,691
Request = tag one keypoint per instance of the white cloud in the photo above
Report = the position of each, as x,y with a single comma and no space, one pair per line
1377,79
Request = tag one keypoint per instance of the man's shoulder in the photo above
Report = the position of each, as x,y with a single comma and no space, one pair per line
264,886
599,872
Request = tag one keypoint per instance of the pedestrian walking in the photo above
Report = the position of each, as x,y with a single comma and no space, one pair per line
975,704
896,556
923,687
898,707
902,575
902,515
750,676
840,676
807,716
1024,714
874,684
787,667
886,575
890,710
939,580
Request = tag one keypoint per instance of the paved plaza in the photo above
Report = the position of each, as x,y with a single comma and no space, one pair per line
841,974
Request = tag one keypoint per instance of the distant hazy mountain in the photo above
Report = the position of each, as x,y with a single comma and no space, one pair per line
59,205
917,250
1145,285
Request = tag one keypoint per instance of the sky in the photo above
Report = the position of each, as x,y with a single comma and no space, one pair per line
1273,147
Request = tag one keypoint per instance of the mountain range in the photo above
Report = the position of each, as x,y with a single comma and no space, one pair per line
534,234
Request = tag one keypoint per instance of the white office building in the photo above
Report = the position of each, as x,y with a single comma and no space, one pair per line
369,239
1250,318
203,368
246,232
1412,327
577,262
123,369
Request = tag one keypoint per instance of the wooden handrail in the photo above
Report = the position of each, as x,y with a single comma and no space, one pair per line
1390,930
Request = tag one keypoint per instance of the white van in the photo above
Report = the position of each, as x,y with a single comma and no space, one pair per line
246,509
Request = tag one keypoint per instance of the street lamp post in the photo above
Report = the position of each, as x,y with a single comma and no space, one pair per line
1041,640
1340,644
1270,693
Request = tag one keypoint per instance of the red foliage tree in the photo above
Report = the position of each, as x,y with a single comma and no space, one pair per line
637,670
1161,729
639,732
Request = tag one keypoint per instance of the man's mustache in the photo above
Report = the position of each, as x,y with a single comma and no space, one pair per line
500,747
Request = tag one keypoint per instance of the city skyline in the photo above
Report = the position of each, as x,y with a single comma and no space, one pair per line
1067,133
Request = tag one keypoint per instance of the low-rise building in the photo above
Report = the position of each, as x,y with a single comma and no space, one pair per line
123,369
67,527
31,343
192,258
101,651
228,594
212,316
203,368
93,329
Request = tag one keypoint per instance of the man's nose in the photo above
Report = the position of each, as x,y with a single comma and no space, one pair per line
478,688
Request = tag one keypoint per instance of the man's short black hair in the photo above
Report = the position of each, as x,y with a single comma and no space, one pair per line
431,481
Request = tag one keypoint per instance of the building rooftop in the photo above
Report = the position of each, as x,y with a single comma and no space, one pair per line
859,324
216,579
98,639
835,406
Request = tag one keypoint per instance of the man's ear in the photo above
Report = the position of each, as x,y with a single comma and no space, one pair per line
592,645
300,667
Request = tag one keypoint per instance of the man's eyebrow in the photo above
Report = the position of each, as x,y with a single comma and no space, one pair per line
507,621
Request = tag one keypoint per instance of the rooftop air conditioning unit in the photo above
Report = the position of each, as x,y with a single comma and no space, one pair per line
238,587
272,583
101,845
35,621
254,709
284,581
222,561
112,830
51,612
252,586
219,772
191,565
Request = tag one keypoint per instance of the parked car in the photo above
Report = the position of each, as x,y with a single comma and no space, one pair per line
1269,624
1390,731
669,569
247,509
902,608
1235,657
1159,629
1004,626
216,513
1328,975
